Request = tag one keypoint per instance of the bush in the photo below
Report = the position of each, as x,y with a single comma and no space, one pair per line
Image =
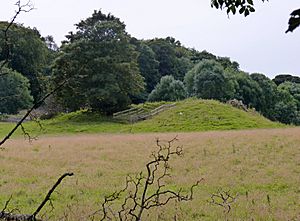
14,93
168,89
208,81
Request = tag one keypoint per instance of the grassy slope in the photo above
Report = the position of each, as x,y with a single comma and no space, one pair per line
188,115
260,166
203,115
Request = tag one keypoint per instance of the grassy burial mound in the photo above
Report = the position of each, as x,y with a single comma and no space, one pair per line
185,116
203,115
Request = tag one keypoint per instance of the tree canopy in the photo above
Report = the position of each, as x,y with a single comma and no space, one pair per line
168,89
27,55
14,93
100,65
207,80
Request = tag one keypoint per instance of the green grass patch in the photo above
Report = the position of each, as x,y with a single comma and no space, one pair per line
188,115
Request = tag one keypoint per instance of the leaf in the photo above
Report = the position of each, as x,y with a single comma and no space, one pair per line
242,10
252,9
246,12
233,9
216,4
228,10
294,21
250,2
221,2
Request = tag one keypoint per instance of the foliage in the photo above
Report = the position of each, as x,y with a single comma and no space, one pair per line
267,97
281,78
100,65
287,109
208,81
294,21
28,54
168,89
173,58
224,61
246,89
14,93
246,7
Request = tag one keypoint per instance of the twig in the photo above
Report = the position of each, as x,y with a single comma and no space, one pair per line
47,198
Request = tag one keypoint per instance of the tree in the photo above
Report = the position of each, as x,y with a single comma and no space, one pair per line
173,58
268,97
245,88
285,110
100,65
168,89
14,93
207,80
281,78
293,89
148,66
27,55
246,7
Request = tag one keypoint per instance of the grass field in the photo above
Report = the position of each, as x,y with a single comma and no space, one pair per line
261,167
187,116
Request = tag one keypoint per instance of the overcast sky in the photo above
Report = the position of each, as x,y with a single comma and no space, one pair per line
258,43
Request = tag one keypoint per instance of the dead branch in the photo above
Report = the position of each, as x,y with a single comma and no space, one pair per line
47,198
224,199
36,105
9,216
144,192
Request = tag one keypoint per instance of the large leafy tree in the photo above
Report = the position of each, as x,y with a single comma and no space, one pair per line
247,89
285,110
173,58
14,92
293,89
148,66
208,80
28,54
268,98
246,7
100,65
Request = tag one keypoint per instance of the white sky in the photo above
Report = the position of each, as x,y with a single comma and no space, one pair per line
258,43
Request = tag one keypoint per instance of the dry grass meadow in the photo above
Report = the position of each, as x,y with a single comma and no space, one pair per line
260,167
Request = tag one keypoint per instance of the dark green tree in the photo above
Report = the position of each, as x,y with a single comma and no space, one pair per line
168,89
28,54
14,92
268,98
281,78
173,58
100,65
207,80
246,89
148,66
293,89
204,55
285,110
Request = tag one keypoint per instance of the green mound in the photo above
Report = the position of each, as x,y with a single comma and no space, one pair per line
188,115
203,115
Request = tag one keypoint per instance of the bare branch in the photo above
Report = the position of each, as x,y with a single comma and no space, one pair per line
47,198
36,105
224,199
145,192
